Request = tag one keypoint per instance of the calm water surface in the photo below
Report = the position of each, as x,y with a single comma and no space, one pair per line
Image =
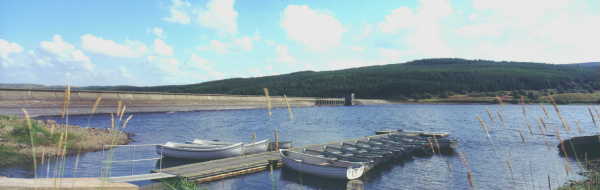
531,163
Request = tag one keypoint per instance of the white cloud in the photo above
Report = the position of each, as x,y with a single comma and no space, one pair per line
206,66
99,45
244,43
57,46
357,48
393,55
283,55
179,12
219,15
168,65
366,32
481,30
260,72
61,54
172,71
553,31
423,26
158,32
162,48
124,72
7,49
65,52
219,47
317,30
400,18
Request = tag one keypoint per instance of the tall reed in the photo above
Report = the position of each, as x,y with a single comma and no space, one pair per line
268,99
33,152
291,114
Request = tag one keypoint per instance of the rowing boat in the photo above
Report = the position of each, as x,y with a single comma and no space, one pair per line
321,166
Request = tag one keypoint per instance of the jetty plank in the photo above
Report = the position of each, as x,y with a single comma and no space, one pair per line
221,166
62,183
141,177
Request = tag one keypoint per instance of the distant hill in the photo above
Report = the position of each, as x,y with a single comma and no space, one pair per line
590,64
412,79
23,86
31,86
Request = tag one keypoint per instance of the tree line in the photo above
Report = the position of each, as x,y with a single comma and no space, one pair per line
416,79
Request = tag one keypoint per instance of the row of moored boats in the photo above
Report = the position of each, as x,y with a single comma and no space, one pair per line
352,160
347,160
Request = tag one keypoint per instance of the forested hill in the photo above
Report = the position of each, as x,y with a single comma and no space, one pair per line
412,79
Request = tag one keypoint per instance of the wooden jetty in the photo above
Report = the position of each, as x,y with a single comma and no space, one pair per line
234,166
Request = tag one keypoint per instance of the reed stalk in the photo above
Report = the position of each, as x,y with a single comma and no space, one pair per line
94,108
33,152
291,114
489,113
578,125
521,135
543,132
562,120
268,99
465,163
501,119
545,111
592,116
525,118
510,167
484,127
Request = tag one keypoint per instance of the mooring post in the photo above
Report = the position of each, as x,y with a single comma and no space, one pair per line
276,139
348,100
161,160
132,158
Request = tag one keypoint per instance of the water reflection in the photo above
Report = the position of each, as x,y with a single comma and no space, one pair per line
297,180
532,160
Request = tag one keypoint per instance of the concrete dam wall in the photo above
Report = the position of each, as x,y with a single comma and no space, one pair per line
50,102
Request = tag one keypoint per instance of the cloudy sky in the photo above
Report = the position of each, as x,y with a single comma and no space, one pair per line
156,42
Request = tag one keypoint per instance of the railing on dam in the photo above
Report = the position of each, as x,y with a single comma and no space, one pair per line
330,101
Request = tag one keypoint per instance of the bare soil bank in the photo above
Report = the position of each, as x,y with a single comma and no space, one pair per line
21,141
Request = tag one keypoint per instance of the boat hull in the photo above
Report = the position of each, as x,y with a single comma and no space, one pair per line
247,148
199,154
322,170
257,147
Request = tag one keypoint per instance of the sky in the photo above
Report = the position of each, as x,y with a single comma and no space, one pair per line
165,42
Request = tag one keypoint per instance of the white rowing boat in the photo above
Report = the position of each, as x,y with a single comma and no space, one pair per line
197,151
247,148
256,147
322,166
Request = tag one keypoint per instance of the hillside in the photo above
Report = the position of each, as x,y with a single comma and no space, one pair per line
415,79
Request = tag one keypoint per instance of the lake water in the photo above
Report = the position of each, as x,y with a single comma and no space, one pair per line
531,163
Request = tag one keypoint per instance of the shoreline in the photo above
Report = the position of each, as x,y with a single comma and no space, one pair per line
44,111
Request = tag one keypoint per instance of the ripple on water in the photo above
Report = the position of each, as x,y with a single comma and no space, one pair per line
532,162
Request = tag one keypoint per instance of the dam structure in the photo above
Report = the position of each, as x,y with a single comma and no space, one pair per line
50,102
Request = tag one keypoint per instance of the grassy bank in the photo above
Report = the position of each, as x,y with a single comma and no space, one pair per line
514,97
592,180
22,141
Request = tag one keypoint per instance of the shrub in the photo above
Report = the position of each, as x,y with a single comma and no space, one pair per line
41,135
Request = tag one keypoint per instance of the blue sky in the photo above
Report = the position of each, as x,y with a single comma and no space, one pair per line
147,42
